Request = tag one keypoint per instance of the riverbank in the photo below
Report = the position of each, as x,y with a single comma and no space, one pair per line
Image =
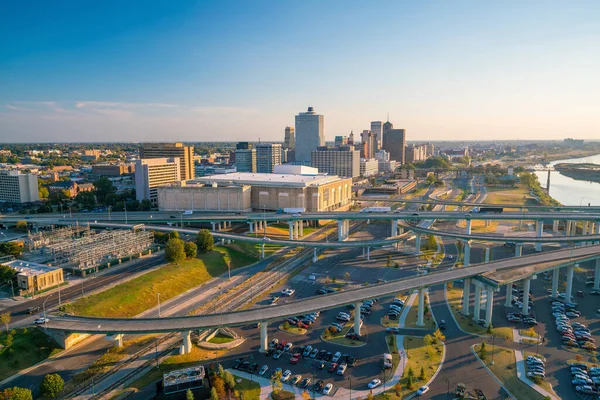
582,172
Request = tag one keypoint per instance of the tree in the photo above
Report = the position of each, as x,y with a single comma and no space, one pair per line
439,336
219,385
175,251
389,260
204,241
190,249
489,328
276,384
431,243
229,379
145,205
7,273
86,199
370,395
104,190
347,276
5,318
52,385
11,248
8,340
410,372
422,374
189,395
17,393
173,235
398,389
428,340
21,226
213,394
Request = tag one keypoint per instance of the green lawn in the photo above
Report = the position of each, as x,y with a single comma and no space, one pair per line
419,355
29,346
254,249
505,369
519,196
218,339
411,318
140,294
250,389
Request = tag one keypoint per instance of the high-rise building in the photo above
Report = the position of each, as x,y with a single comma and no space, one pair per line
245,160
351,138
242,146
387,126
153,172
368,167
18,188
289,142
309,134
368,149
169,150
394,141
268,155
377,131
341,140
343,161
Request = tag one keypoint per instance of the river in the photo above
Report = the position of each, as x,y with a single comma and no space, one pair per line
569,191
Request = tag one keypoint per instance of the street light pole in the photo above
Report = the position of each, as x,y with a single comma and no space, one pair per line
448,390
493,346
264,221
158,295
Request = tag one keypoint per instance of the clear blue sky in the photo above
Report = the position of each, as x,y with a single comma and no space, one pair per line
232,70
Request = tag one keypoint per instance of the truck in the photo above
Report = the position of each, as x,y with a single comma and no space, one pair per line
494,210
298,210
376,209
188,212
387,361
460,391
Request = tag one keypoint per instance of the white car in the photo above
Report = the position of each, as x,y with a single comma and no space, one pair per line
374,383
422,390
328,388
286,375
41,320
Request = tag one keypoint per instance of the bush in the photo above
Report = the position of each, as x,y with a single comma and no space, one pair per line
190,249
204,241
175,250
52,385
17,393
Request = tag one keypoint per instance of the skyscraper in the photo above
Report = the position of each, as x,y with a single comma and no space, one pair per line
245,160
386,128
289,142
168,150
368,150
268,155
377,131
309,134
394,141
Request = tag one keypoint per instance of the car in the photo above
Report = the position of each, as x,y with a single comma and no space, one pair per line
589,282
328,356
341,369
576,382
422,390
442,324
253,368
277,354
274,300
321,365
365,311
321,291
286,375
263,369
313,353
328,388
307,351
393,329
572,314
296,379
352,361
305,383
343,318
332,367
236,364
353,336
583,388
415,214
336,357
595,292
530,322
288,346
341,313
393,316
374,383
395,308
295,358
41,321
318,386
33,310
245,366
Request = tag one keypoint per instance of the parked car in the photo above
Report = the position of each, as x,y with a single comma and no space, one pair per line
263,369
374,383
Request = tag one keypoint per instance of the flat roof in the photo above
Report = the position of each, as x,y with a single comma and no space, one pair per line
29,268
250,178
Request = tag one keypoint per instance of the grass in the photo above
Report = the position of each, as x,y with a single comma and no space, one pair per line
478,226
219,339
529,332
505,369
466,323
100,366
388,323
250,389
29,346
340,337
293,329
140,294
411,317
283,395
419,355
518,196
193,358
254,249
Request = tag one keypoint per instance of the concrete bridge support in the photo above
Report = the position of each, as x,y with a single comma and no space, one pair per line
597,231
508,300
357,318
251,225
526,289
555,278
264,338
394,227
477,306
489,305
186,347
213,225
343,226
262,251
466,295
518,250
487,254
539,230
301,226
568,228
573,228
569,291
421,310
118,339
467,253
418,242
555,226
597,275
468,227
369,253
291,229
315,258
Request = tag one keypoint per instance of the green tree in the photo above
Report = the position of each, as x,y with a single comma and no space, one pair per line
276,384
189,395
43,192
52,385
173,235
410,372
422,374
190,249
229,380
213,394
11,248
204,241
439,336
410,382
7,273
8,340
86,199
5,318
21,226
175,251
428,340
145,205
431,243
104,190
17,393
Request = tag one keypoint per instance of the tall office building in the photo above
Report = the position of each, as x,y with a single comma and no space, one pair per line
309,134
341,140
169,150
394,141
18,188
268,155
351,138
343,161
377,131
243,146
387,126
153,172
368,150
245,160
289,141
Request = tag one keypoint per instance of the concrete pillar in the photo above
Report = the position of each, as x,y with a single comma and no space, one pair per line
346,228
340,230
555,226
467,252
487,223
369,253
291,229
301,225
518,250
466,294
363,251
597,275
262,250
213,225
418,242
569,291
394,227
187,342
555,278
468,227
357,317
568,228
526,287
597,231
118,339
487,254
574,228
315,258
521,222
508,300
421,311
251,225
489,305
264,339
539,227
477,307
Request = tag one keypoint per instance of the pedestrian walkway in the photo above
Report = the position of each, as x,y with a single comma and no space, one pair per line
406,309
521,373
518,338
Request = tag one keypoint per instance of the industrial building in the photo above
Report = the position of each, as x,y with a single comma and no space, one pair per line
153,172
33,277
18,188
191,195
171,150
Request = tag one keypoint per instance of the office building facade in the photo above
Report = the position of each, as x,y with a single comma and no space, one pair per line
369,167
16,187
343,161
309,134
153,172
377,131
268,155
170,150
394,141
245,160
289,140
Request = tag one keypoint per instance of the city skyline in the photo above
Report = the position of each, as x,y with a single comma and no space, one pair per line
193,72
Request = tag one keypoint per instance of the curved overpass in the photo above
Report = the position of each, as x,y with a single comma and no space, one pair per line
539,262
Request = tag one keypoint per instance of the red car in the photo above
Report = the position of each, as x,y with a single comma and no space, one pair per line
332,367
301,324
295,358
281,344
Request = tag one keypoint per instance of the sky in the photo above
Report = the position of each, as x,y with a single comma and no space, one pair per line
240,70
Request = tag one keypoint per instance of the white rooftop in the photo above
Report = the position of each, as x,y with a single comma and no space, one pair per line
295,169
28,268
250,178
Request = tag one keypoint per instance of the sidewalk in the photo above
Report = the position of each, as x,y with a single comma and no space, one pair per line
406,309
518,338
521,373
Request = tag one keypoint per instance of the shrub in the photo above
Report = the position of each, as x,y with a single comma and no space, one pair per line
52,385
